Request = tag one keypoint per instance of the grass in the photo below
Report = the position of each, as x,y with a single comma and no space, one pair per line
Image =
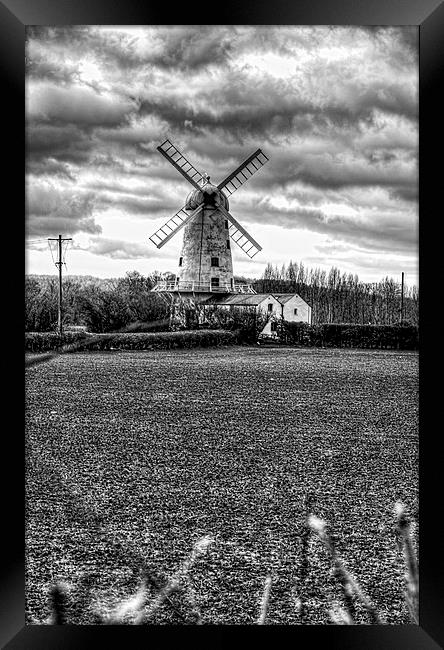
132,458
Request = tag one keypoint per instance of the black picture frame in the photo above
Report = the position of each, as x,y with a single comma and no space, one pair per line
429,16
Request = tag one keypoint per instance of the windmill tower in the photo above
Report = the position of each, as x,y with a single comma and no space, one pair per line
205,263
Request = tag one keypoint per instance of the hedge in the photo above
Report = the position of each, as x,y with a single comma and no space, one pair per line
399,337
162,340
41,342
44,341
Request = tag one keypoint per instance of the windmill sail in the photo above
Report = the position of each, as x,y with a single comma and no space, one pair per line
178,160
169,229
239,235
245,171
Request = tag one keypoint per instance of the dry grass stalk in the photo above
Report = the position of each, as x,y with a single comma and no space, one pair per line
59,602
131,606
340,616
190,595
300,604
265,601
348,583
174,582
412,573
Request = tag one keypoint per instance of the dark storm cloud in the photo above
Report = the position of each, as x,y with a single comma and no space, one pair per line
81,106
67,143
52,224
116,187
409,193
149,206
119,249
239,109
52,209
401,43
152,202
57,72
188,48
409,36
272,109
49,167
184,48
392,232
61,34
263,114
328,171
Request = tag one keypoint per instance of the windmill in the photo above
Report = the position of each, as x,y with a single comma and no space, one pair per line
205,263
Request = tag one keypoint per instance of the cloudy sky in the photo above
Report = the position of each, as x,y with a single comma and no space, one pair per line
334,108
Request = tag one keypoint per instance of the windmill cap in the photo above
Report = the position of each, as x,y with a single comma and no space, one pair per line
208,194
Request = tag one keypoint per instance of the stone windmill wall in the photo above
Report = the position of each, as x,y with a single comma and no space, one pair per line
206,259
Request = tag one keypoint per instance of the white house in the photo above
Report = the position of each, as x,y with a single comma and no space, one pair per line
289,306
294,308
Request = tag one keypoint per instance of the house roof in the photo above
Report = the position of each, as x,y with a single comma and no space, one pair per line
242,299
285,297
249,299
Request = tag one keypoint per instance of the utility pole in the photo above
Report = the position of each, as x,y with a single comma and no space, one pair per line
402,296
59,263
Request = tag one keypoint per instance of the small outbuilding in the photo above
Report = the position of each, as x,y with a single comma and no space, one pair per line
294,308
288,306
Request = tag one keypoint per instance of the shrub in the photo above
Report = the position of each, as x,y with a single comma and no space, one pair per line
247,323
103,310
296,333
41,304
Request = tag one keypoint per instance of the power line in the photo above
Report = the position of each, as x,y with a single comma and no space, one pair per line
35,241
51,251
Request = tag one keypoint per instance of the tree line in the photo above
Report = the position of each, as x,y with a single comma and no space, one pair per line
100,305
106,305
337,297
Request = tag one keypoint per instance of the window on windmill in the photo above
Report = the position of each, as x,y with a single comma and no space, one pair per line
270,306
228,243
274,326
295,311
226,224
180,261
214,261
214,282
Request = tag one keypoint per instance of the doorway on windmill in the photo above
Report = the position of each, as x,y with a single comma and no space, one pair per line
214,283
214,261
180,261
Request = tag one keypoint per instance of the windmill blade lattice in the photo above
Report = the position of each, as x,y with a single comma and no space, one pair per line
169,229
245,171
239,235
178,160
